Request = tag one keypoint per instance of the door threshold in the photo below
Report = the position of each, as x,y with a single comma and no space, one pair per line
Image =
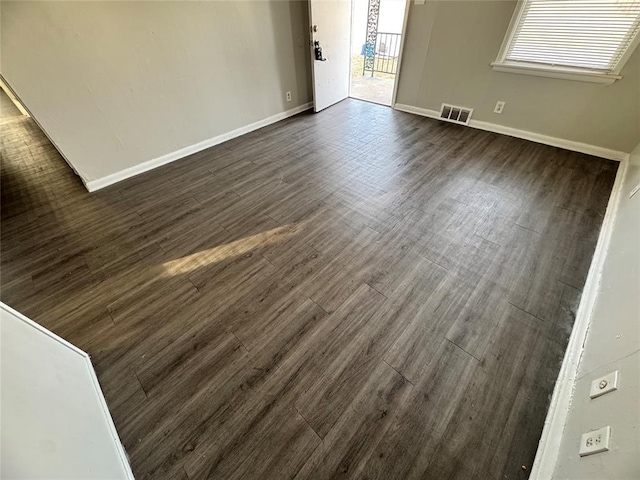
371,101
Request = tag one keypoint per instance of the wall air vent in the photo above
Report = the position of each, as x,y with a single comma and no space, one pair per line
452,113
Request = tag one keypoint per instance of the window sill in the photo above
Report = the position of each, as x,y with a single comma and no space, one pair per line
555,72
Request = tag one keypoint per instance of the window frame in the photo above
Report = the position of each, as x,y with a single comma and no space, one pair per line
540,70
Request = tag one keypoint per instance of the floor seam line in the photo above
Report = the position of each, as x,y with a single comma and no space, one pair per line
454,343
110,316
487,240
383,360
435,263
185,472
572,286
267,260
194,285
318,305
528,313
163,250
374,288
141,386
305,421
240,341
529,229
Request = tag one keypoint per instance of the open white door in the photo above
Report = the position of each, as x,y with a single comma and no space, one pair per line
330,28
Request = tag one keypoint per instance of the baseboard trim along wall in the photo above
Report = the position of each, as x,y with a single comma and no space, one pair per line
93,185
534,137
549,446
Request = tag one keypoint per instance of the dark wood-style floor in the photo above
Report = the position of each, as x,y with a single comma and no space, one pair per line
359,293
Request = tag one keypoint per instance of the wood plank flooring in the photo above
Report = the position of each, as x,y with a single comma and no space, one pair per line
359,293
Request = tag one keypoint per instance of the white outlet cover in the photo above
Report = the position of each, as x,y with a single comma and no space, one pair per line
603,385
595,442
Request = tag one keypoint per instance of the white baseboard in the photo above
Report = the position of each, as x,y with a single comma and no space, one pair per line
103,182
549,446
534,137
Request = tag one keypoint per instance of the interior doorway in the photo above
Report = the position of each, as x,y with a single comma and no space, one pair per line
376,44
10,106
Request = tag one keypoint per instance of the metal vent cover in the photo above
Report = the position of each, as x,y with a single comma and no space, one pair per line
455,114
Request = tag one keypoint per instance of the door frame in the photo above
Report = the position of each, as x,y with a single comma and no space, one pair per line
350,39
13,97
404,37
405,20
11,93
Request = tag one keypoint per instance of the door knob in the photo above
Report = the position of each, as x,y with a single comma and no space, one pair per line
314,28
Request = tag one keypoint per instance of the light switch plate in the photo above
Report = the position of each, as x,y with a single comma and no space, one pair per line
603,385
595,442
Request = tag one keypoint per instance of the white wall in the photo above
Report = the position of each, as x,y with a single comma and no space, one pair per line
448,50
613,343
115,84
55,422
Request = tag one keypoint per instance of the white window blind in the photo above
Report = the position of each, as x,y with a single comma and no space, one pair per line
591,35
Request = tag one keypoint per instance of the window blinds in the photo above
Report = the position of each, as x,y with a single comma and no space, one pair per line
591,35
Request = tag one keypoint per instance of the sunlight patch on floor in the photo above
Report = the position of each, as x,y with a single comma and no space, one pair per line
229,250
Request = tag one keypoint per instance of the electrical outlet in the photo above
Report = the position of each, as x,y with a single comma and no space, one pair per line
603,385
499,107
288,96
595,442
